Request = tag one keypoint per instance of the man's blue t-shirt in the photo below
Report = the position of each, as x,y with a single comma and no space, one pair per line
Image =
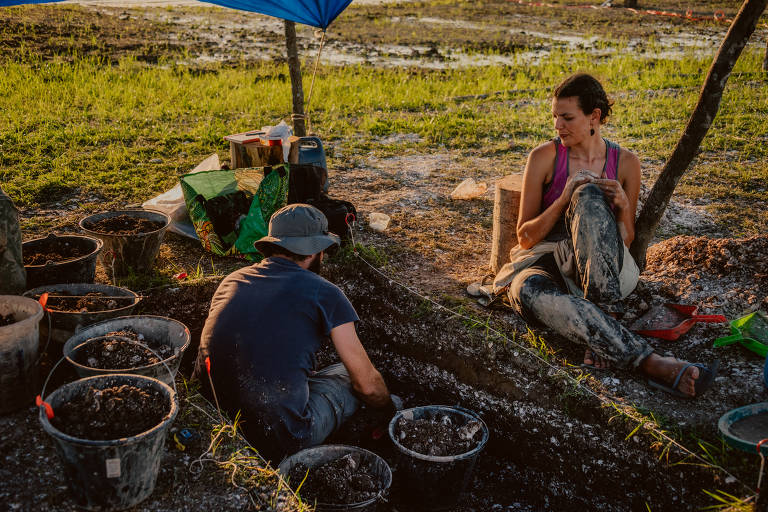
265,324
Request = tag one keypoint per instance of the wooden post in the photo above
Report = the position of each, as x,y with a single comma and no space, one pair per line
765,57
506,206
297,88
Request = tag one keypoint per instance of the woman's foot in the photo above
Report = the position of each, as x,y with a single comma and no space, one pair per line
592,359
666,370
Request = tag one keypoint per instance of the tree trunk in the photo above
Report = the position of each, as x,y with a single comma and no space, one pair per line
698,124
297,89
765,56
630,3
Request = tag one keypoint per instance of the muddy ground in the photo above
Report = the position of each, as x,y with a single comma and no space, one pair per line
554,444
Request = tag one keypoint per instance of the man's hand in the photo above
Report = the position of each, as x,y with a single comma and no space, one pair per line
367,382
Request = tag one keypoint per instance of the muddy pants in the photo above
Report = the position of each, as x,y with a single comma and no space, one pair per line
331,401
541,296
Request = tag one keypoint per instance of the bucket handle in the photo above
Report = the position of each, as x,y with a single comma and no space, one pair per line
49,410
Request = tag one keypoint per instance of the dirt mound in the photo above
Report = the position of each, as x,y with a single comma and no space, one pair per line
111,413
7,319
122,225
722,256
437,436
344,480
115,353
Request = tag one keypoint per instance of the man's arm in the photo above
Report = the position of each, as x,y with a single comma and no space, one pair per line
367,382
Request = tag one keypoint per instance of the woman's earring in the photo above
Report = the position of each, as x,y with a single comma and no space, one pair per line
591,131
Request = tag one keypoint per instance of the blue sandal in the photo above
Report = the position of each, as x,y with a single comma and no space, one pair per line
703,383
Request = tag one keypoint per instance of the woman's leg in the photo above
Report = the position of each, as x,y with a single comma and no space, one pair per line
539,296
598,247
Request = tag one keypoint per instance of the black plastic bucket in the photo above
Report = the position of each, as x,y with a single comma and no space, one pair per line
18,352
431,482
159,328
65,323
81,269
125,253
110,474
319,455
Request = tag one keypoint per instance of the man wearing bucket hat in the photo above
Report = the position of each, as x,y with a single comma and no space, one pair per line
265,324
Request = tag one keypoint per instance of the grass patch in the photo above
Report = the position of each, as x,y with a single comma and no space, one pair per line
121,133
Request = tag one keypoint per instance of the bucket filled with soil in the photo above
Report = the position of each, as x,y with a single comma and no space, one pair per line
131,238
438,447
109,432
139,345
74,306
338,477
19,335
60,259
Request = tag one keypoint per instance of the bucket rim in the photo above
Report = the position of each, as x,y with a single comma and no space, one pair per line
119,289
346,506
114,213
445,458
165,422
53,236
68,347
34,318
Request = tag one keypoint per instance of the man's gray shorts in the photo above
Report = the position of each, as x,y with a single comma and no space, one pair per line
331,401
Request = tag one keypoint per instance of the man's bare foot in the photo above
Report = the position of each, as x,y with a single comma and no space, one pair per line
666,369
592,359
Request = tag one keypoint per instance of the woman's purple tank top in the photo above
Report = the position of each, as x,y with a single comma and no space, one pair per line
556,186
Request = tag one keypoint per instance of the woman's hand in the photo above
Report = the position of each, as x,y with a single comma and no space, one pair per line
574,181
614,193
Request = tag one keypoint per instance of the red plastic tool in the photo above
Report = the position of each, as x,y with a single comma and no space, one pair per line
670,321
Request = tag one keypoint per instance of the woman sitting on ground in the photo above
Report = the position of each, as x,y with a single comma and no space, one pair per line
572,267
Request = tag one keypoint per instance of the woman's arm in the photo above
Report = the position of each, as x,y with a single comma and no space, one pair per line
533,224
623,193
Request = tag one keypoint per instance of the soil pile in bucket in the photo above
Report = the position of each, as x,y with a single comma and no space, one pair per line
7,319
341,481
111,413
438,436
89,303
114,351
55,252
125,225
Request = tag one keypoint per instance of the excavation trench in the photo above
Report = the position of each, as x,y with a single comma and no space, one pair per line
552,446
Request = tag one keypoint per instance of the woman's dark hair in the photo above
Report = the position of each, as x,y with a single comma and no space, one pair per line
588,90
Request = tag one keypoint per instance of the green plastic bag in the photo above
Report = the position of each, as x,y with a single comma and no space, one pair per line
230,209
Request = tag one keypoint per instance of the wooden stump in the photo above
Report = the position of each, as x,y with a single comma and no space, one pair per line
506,207
765,57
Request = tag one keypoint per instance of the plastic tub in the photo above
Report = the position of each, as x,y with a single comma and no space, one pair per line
81,269
125,253
432,482
18,352
319,455
65,323
110,474
162,329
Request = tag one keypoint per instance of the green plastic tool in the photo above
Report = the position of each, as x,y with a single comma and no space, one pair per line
751,331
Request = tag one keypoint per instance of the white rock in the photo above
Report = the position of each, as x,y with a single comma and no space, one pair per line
378,221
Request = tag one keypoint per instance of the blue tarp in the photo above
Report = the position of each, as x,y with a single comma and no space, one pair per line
19,2
317,13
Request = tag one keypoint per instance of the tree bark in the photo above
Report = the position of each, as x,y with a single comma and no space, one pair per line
297,89
765,57
698,124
